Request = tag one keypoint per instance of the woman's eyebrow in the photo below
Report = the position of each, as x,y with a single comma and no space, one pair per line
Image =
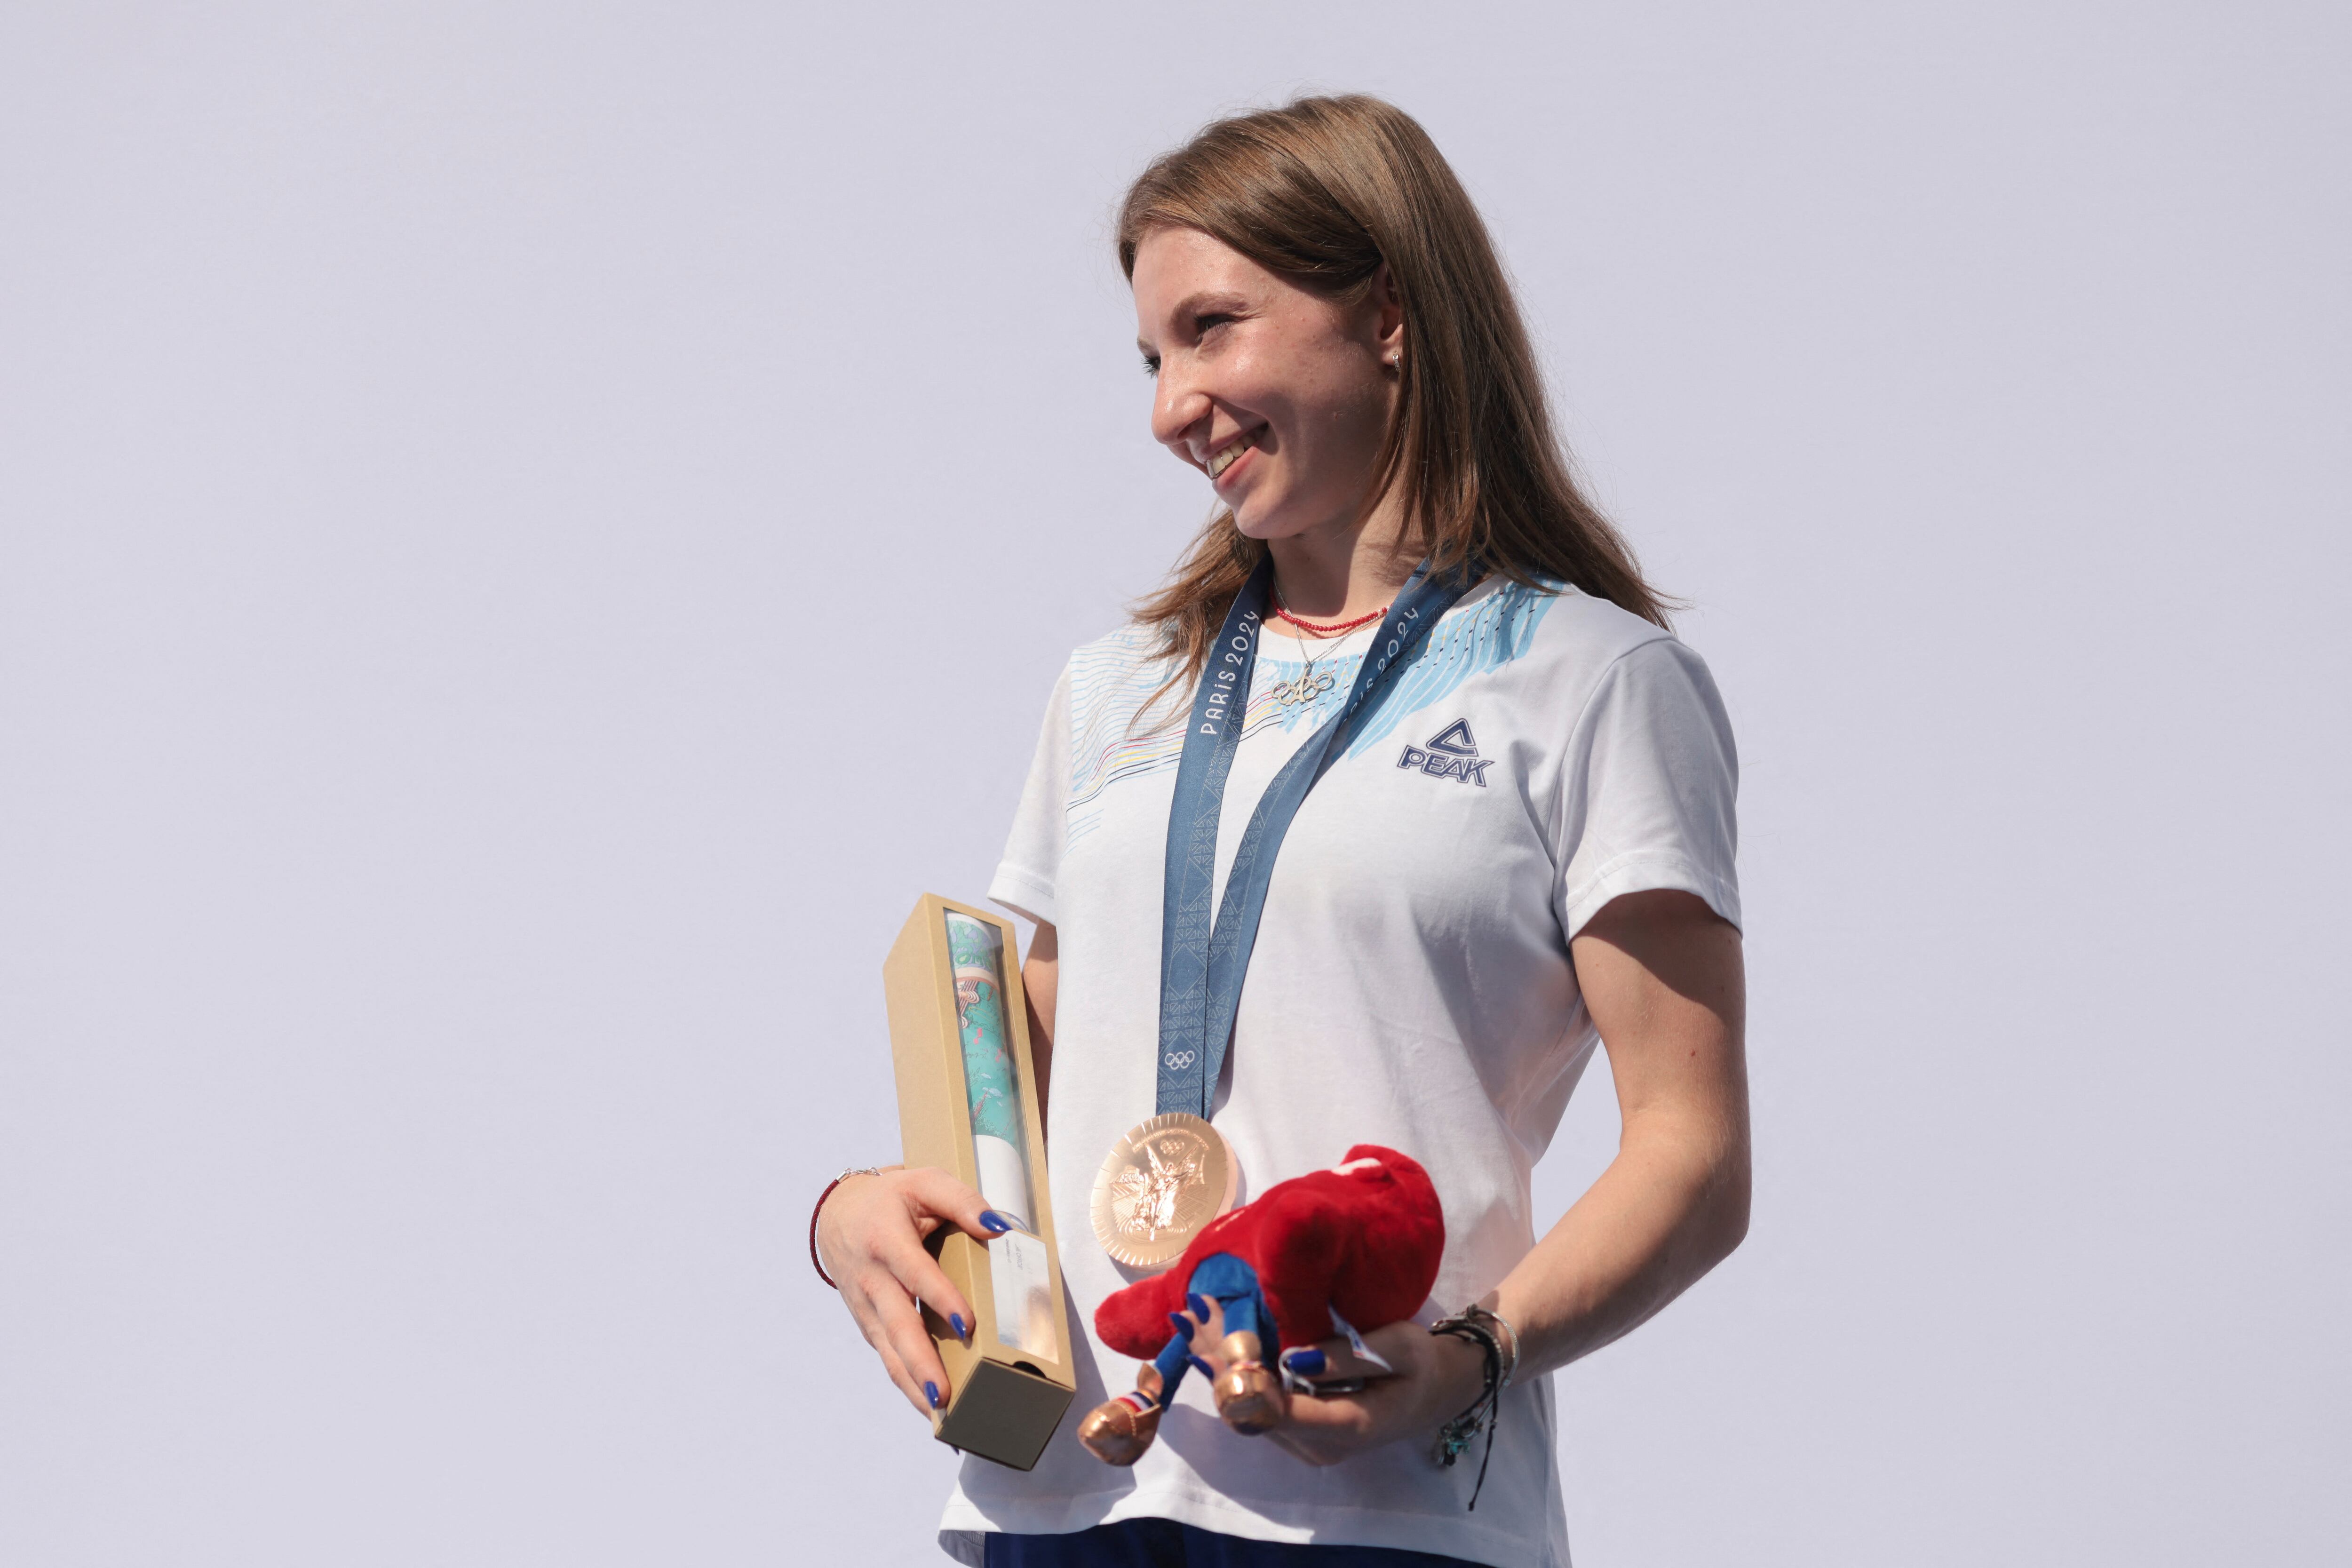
1207,302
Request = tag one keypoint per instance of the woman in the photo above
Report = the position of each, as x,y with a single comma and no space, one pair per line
1521,843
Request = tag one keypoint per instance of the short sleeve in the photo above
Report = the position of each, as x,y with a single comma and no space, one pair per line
1025,877
1647,799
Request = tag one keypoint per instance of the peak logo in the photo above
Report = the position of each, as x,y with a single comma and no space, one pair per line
1451,753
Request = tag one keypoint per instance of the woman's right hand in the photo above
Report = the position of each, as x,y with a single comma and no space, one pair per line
871,1232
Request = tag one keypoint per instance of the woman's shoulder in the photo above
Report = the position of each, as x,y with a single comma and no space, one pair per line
1122,648
1606,656
1124,658
1114,674
1554,627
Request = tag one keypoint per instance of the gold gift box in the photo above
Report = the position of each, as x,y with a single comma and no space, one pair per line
968,1105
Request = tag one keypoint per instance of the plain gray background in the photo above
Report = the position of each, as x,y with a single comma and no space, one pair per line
530,533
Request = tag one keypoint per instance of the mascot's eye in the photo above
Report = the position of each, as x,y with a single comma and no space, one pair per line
1352,1166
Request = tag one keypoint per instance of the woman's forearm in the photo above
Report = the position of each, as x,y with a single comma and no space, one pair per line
1671,1205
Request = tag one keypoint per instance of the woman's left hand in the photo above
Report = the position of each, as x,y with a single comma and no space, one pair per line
1435,1378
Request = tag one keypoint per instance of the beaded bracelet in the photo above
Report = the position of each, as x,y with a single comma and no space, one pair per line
818,1211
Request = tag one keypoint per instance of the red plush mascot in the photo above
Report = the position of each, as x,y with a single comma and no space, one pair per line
1334,1252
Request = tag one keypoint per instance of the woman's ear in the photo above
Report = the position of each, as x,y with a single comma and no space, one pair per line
1389,321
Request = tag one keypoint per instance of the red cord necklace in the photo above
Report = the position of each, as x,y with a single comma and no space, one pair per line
1334,629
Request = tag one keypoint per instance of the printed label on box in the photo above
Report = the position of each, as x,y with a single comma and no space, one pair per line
1024,1293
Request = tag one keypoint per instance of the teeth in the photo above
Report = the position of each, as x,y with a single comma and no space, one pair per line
1227,456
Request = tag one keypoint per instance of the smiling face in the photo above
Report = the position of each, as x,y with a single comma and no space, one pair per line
1280,396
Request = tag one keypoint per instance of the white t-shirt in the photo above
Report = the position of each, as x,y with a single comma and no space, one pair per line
1411,986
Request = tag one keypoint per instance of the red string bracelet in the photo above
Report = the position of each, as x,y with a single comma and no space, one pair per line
816,1214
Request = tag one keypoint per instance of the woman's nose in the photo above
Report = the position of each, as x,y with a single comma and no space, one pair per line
1178,403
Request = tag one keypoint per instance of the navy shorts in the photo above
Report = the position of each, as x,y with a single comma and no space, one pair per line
1164,1543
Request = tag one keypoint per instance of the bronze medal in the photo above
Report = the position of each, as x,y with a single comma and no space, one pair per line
1162,1185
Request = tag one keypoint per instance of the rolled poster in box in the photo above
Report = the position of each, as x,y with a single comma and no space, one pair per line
968,1105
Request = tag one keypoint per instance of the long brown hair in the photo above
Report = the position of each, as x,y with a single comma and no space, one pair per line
1322,192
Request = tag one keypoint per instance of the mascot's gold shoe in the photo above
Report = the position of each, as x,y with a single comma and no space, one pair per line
1249,1395
1118,1431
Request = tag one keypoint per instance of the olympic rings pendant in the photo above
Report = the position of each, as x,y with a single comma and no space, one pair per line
1306,688
1161,1186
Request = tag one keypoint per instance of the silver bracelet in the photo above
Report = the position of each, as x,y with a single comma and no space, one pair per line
1510,1341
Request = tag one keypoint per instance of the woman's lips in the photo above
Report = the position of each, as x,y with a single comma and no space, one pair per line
1229,457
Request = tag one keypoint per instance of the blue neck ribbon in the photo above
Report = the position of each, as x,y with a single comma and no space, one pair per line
1202,963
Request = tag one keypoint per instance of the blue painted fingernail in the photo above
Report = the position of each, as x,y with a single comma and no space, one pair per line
955,1322
1200,1305
994,1223
932,1392
1203,1368
1306,1361
1182,1324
